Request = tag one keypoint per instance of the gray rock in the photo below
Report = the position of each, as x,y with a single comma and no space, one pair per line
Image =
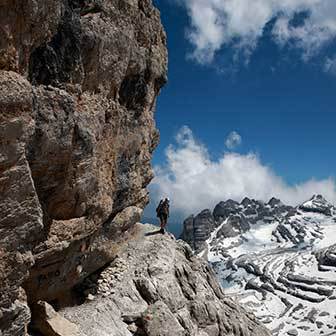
318,204
274,202
197,229
158,320
239,218
234,226
188,231
182,296
78,86
50,323
224,209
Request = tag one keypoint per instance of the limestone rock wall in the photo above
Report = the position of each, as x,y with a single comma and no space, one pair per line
78,85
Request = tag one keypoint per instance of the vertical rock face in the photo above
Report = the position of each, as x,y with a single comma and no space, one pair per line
196,230
78,85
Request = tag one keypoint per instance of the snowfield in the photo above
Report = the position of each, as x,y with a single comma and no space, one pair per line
283,269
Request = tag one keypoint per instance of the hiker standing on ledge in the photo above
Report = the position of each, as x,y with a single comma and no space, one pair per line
162,211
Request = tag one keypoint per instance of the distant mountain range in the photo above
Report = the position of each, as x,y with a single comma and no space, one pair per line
279,261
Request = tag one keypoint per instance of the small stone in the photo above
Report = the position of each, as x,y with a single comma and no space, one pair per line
132,328
90,297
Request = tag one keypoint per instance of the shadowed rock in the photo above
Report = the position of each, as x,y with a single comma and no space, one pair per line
78,86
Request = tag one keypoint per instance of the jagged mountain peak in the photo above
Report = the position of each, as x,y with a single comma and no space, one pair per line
238,218
205,213
317,204
318,198
277,259
246,201
241,217
274,202
231,202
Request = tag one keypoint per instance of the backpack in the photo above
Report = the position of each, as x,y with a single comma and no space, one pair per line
159,207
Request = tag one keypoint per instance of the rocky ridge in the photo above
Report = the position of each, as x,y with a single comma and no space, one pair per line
238,217
279,262
157,287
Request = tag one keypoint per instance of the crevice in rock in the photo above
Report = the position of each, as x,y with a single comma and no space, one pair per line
59,61
75,296
147,293
187,293
134,90
90,7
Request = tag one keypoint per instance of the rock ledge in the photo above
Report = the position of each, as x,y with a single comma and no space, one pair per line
157,287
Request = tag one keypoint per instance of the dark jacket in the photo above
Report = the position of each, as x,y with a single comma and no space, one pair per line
163,208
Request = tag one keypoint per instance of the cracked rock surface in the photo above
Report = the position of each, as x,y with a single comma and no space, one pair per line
157,287
78,85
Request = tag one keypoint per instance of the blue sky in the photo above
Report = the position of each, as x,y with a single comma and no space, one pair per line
279,100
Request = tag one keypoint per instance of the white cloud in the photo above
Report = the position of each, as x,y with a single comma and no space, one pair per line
233,140
193,181
330,65
240,23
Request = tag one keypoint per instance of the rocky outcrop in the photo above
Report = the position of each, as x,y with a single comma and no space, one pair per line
327,258
196,230
225,209
230,219
50,323
283,266
157,287
78,84
295,229
318,204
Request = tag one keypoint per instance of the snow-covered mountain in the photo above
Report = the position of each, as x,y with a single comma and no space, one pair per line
278,261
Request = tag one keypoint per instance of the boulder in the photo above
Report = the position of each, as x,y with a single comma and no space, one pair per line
50,323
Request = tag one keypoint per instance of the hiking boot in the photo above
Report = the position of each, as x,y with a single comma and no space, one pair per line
162,230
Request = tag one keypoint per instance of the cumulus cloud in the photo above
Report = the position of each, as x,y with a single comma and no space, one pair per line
194,181
330,65
233,140
240,24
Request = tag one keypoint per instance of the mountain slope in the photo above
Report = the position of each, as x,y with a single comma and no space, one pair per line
78,87
157,287
279,262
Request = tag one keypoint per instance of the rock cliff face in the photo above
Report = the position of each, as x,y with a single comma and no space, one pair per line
197,229
78,84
